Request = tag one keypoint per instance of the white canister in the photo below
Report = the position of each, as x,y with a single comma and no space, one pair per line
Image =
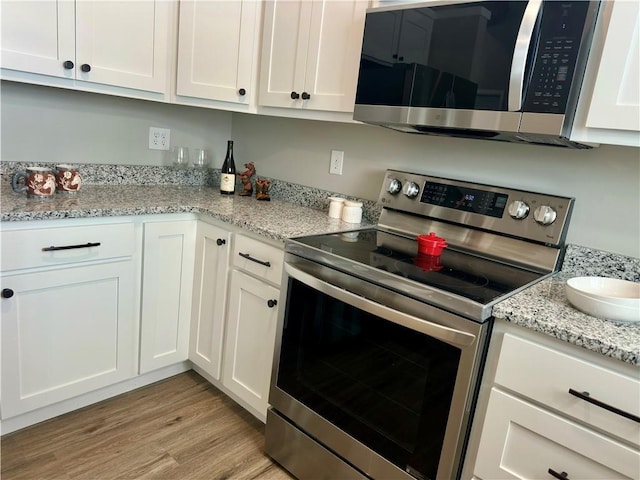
352,212
335,207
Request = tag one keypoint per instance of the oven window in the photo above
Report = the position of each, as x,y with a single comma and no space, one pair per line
386,385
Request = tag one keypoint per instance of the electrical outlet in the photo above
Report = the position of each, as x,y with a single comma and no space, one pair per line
337,159
159,138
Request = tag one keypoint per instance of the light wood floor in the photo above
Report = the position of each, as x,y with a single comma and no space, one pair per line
181,428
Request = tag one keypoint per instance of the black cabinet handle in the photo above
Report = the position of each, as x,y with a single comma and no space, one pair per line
272,303
70,247
401,59
249,257
85,67
559,476
305,96
221,241
68,65
242,92
587,398
8,293
395,55
295,95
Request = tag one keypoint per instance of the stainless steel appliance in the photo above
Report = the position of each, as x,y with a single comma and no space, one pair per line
381,348
501,70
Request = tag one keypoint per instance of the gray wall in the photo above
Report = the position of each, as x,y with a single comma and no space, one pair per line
46,124
605,181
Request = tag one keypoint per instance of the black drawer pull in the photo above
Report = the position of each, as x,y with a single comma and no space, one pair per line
272,303
249,257
587,398
220,242
559,476
70,247
8,293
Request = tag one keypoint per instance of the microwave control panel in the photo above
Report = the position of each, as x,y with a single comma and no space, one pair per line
561,28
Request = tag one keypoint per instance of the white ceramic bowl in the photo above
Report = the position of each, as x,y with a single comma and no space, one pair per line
609,298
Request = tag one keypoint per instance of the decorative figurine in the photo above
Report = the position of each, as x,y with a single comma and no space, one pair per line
245,178
262,189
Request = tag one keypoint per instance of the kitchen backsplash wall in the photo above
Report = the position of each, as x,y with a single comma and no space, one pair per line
41,124
605,181
44,124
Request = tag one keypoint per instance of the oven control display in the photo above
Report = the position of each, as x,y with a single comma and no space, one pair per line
466,199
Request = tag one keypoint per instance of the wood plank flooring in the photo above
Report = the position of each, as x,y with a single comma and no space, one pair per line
181,428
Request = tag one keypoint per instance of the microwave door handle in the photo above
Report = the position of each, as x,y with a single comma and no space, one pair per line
519,62
440,332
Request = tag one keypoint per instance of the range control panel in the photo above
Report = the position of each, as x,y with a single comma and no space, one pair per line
523,214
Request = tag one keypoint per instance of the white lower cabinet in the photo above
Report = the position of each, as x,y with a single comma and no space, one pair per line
167,283
69,313
529,424
251,333
252,315
521,440
209,298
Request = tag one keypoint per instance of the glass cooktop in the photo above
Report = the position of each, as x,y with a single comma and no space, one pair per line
393,261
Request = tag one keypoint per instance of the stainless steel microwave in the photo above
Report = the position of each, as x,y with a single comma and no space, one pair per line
501,70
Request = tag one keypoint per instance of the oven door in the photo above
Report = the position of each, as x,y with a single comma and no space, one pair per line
384,381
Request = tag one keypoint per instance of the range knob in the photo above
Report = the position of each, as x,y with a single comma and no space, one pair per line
518,209
394,186
411,189
544,215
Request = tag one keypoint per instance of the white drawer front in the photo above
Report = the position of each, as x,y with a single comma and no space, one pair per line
546,376
521,441
24,248
252,256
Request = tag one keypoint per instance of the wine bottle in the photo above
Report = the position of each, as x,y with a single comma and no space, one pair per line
228,172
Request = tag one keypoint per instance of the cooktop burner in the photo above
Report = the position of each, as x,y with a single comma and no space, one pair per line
477,279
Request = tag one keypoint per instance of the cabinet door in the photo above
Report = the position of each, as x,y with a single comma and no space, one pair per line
216,49
311,48
125,43
167,283
520,440
616,97
333,56
250,340
66,332
209,296
38,36
284,52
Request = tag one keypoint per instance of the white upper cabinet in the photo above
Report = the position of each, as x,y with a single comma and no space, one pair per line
609,109
125,44
311,53
218,52
38,37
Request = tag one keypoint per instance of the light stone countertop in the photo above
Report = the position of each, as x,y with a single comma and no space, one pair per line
542,307
274,219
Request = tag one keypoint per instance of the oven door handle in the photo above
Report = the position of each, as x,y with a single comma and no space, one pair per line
440,332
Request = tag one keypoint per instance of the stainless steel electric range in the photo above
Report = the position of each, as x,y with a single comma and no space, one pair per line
380,346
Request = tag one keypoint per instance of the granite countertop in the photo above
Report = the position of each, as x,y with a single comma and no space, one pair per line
274,219
542,307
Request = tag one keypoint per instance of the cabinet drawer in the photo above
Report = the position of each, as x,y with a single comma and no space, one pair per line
522,441
24,248
253,256
546,375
